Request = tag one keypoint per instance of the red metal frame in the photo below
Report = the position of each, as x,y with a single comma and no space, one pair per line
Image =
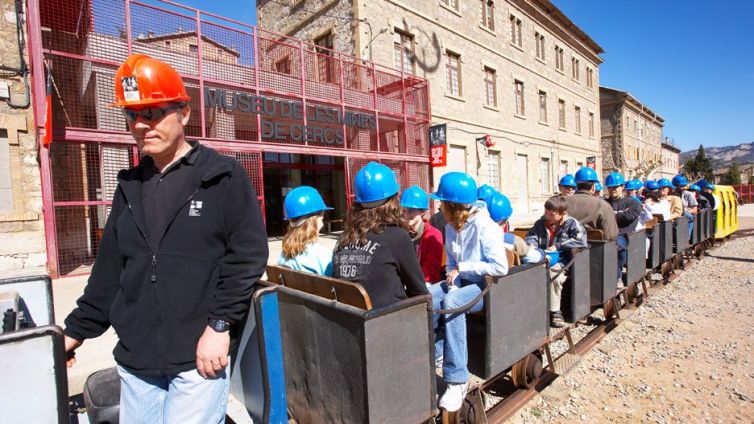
308,89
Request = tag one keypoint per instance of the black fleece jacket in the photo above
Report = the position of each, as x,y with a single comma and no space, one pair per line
159,298
627,210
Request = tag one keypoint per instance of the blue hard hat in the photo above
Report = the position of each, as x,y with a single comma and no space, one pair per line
484,191
703,183
615,179
597,187
586,174
414,198
457,187
499,207
375,182
664,182
567,181
694,187
680,181
303,201
652,185
634,185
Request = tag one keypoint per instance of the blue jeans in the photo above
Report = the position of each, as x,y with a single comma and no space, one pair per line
691,222
622,242
184,398
450,339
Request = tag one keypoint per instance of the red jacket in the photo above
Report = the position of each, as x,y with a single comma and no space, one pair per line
430,252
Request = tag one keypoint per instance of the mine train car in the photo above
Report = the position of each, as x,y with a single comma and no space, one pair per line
315,351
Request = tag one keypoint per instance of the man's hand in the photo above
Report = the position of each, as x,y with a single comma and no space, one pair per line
212,352
452,275
70,346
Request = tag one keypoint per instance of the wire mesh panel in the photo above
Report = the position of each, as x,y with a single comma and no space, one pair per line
279,66
322,75
84,178
279,95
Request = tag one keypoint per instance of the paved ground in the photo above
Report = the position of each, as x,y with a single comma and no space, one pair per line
685,356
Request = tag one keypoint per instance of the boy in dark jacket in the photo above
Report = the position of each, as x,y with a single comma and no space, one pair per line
556,231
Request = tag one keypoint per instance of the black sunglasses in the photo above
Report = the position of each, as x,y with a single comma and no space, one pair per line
150,114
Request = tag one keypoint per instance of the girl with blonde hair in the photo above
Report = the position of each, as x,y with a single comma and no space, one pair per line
305,209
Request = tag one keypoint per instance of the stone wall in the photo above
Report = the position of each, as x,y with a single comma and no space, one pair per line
22,240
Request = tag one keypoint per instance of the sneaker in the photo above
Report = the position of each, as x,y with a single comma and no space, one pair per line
556,319
452,399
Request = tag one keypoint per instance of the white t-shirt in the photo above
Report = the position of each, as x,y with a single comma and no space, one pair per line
660,208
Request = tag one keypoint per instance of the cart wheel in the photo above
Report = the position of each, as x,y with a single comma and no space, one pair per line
472,411
632,291
526,371
609,308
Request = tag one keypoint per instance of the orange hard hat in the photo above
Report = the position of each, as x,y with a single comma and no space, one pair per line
143,81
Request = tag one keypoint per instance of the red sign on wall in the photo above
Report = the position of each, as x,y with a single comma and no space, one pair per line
591,162
439,155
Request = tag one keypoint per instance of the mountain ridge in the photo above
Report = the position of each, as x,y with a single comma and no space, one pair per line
724,156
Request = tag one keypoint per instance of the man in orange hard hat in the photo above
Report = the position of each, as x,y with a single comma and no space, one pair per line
183,246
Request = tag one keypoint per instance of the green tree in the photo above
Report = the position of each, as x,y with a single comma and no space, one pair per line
700,165
733,176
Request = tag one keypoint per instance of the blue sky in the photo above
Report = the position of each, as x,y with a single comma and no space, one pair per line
691,61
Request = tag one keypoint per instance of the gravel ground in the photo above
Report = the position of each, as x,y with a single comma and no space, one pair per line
684,356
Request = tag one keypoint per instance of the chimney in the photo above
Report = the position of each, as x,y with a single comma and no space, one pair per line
150,34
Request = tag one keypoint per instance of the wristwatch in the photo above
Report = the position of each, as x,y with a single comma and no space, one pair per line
219,325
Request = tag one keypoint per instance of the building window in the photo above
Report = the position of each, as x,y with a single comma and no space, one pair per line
577,112
563,168
283,65
493,170
628,123
516,31
591,124
167,43
559,59
325,65
636,126
519,91
544,175
490,84
575,68
453,4
488,14
542,106
590,77
561,113
454,74
404,52
540,39
193,48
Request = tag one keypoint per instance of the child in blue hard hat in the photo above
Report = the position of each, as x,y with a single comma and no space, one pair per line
304,210
556,231
500,210
474,249
375,249
426,238
567,185
688,200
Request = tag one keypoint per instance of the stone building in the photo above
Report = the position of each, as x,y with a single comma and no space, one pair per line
670,161
519,71
22,240
631,136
